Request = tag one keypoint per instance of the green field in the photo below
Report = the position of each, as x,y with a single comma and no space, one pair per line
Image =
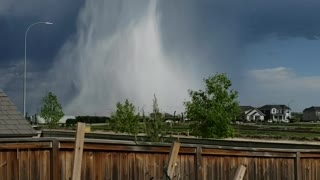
291,131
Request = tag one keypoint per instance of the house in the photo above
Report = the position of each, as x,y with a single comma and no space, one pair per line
250,113
12,123
277,113
311,114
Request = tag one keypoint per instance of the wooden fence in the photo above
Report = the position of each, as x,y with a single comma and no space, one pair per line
52,158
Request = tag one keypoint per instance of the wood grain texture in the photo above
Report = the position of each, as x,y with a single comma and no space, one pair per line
78,151
103,161
173,159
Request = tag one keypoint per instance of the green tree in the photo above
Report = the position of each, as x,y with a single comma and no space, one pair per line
156,127
213,109
296,117
125,119
51,110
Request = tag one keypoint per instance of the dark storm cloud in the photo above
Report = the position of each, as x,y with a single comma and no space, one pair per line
284,19
250,19
217,31
212,32
43,41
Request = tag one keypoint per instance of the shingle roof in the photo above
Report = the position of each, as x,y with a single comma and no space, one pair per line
312,108
246,108
274,106
12,123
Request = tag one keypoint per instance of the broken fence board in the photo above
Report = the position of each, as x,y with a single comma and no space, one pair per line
241,171
78,151
173,156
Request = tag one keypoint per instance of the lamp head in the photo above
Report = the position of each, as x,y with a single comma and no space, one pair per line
49,23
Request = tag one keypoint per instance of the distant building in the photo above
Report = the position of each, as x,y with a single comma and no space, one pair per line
249,113
311,114
277,113
12,122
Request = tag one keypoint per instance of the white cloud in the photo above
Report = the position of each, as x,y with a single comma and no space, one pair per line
282,78
272,74
282,85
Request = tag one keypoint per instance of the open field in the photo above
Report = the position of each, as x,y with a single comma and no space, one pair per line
294,131
289,131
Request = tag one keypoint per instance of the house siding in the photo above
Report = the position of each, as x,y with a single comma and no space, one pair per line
250,113
311,116
276,112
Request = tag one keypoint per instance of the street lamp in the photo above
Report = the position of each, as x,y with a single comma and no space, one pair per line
25,63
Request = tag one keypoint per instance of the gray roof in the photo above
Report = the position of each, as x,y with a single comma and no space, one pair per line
250,109
277,106
312,108
12,123
246,108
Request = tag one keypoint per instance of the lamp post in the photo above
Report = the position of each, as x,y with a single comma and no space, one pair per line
25,63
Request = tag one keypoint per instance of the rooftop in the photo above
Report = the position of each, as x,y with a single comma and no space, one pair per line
12,123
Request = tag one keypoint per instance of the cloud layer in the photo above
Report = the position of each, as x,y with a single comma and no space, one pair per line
283,85
176,43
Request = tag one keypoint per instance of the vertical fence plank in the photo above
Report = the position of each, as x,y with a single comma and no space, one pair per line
44,161
24,165
12,165
68,164
115,165
99,165
297,168
192,167
54,160
34,164
198,163
108,165
62,165
89,165
124,166
3,165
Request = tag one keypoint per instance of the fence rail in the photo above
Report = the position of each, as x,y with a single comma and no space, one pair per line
52,158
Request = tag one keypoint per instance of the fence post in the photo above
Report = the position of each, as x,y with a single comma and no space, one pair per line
198,163
54,159
78,151
297,166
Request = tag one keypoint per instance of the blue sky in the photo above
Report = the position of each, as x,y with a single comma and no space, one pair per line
99,52
297,53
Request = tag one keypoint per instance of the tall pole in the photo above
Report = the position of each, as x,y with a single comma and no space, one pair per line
25,64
